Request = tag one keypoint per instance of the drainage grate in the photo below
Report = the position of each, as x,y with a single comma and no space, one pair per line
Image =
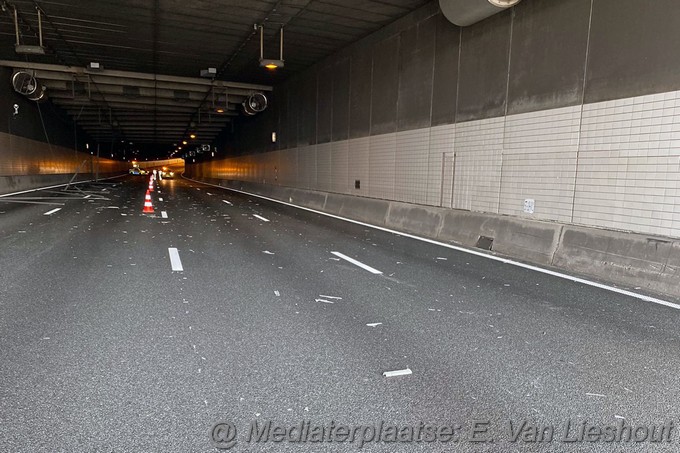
484,242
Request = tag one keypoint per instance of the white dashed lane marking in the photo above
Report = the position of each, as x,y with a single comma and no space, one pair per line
357,263
175,261
52,211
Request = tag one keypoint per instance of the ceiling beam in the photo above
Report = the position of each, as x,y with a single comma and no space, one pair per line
134,75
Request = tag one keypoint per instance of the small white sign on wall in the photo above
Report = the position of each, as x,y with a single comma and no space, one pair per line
529,204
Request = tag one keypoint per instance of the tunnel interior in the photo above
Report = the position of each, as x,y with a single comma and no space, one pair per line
339,225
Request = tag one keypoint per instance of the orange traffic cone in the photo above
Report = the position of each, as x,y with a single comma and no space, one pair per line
148,207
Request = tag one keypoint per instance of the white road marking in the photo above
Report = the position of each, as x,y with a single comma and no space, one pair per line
160,199
397,373
261,218
228,202
599,395
374,324
357,263
530,267
209,193
88,196
164,214
277,293
52,211
330,297
175,262
267,252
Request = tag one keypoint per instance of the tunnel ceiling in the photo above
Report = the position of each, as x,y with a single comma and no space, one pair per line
152,52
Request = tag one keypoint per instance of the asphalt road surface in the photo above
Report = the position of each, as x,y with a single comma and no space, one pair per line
275,334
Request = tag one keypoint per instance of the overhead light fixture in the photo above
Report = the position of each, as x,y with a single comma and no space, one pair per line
270,63
94,66
25,49
220,110
184,142
29,50
192,136
209,73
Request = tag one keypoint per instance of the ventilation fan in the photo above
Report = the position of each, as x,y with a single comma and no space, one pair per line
255,104
24,83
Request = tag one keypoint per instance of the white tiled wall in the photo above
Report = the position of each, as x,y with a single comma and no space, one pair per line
629,165
612,164
440,178
411,166
307,167
382,165
359,149
539,162
340,165
478,146
323,167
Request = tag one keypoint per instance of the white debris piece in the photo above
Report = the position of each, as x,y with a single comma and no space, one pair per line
324,301
397,373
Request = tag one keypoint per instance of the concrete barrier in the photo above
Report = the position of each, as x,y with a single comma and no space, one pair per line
637,260
629,259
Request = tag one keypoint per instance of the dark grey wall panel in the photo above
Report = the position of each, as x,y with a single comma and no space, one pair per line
281,100
416,67
307,113
325,103
484,68
445,89
293,109
633,49
549,41
341,89
385,87
361,72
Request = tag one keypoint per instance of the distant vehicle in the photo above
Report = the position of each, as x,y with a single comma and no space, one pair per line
166,173
138,171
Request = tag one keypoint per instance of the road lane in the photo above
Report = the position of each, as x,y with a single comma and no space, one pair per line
105,348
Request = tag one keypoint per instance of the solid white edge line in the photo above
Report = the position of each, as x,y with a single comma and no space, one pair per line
357,263
175,262
52,211
164,214
464,250
261,218
59,185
